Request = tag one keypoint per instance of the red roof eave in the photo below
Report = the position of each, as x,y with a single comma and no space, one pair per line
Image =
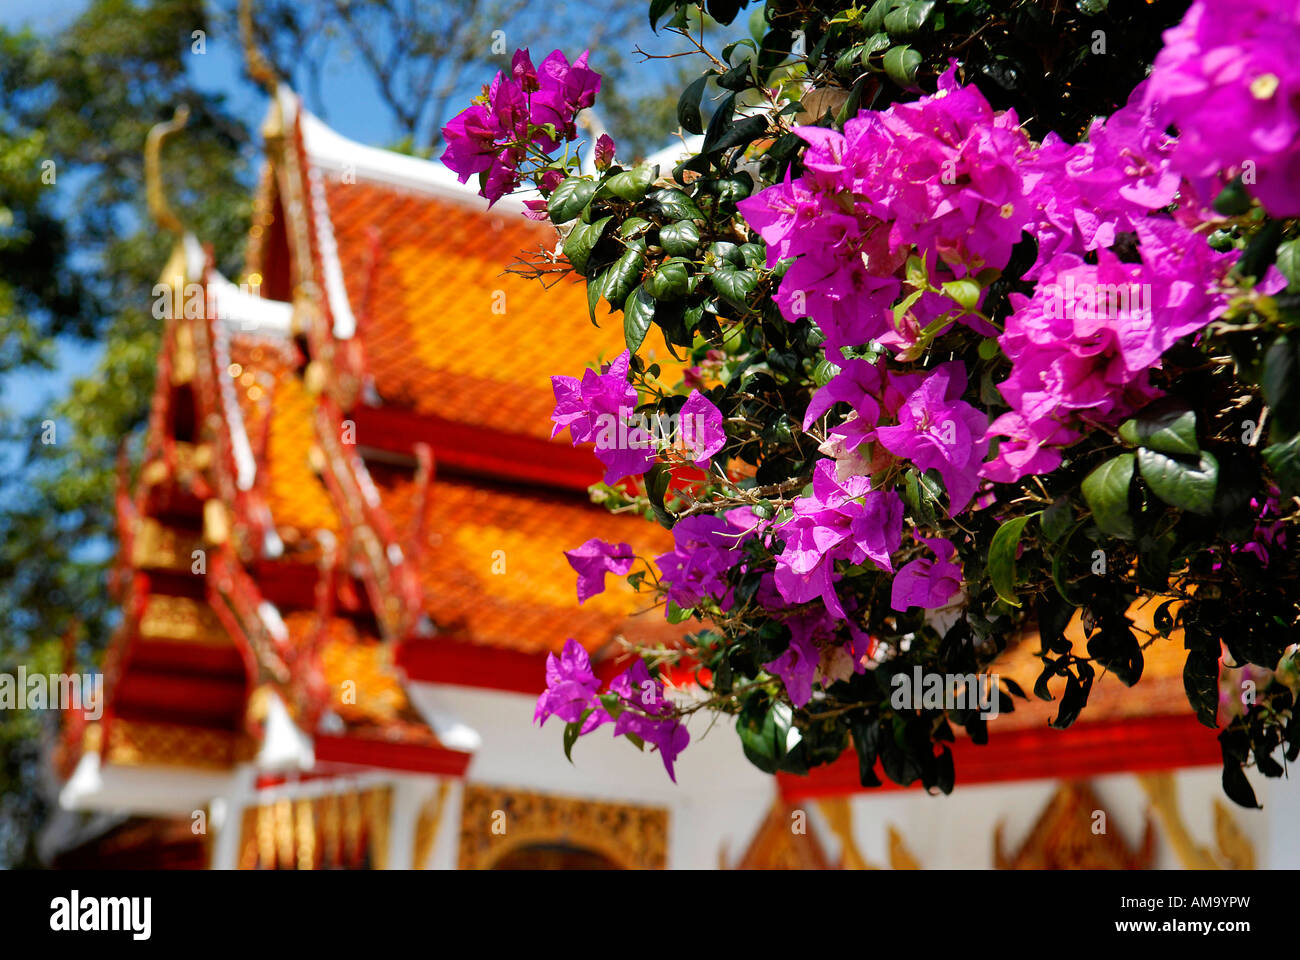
385,754
1129,745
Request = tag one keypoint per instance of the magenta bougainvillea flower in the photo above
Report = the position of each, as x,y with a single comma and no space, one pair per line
818,653
593,560
571,685
705,548
942,175
840,521
605,149
642,709
1228,79
937,429
597,410
529,105
701,429
927,583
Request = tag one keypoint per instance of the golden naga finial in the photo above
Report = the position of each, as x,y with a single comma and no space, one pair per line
258,66
158,208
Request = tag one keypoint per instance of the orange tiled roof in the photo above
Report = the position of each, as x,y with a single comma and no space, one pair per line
494,571
425,281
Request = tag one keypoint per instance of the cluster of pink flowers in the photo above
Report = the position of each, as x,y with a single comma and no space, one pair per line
706,548
529,107
599,409
942,176
840,521
638,706
1229,79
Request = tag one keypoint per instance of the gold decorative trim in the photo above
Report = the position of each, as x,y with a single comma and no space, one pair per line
132,743
339,830
1234,850
162,547
181,619
426,826
497,821
1074,833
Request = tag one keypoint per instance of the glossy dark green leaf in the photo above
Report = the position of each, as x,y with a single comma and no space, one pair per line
901,64
1002,558
1107,491
1201,684
1284,460
1166,426
580,241
569,198
670,281
1181,483
688,105
638,314
676,204
907,19
679,239
1280,382
1288,262
620,278
630,185
733,283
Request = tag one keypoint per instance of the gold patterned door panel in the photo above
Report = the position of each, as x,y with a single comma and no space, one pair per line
504,828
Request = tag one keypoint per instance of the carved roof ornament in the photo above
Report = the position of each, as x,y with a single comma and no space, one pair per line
1074,833
1234,851
786,840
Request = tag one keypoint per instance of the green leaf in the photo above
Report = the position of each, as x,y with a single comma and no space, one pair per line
595,290
1180,483
569,198
875,18
1166,426
638,314
1163,620
1200,683
1056,519
634,226
1107,491
678,614
580,241
1233,200
688,106
571,733
1284,460
733,283
873,45
901,64
675,204
656,485
1280,382
740,132
671,281
679,239
619,279
866,739
657,10
1002,558
1288,262
907,19
630,185
965,292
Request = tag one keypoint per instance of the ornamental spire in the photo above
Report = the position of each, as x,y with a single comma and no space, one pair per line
159,209
258,66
